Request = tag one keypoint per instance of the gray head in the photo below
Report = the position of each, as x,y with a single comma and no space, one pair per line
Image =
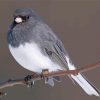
24,21
24,16
24,12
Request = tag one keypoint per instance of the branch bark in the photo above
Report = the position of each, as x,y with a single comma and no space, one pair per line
34,77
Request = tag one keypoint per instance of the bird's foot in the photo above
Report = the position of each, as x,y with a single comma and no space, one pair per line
29,81
49,81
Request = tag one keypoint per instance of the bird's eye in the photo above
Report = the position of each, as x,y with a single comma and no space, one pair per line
20,19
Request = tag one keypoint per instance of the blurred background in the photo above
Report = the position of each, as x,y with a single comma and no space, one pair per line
77,23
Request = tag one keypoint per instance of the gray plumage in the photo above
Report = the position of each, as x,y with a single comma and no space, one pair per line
31,29
35,30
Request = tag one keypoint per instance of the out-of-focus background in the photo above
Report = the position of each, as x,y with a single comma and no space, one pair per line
77,23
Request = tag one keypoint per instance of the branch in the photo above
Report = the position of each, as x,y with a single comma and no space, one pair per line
44,74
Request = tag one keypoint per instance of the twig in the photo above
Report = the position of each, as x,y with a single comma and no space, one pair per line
22,81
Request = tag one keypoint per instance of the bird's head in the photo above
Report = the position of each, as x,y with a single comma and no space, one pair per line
24,22
25,17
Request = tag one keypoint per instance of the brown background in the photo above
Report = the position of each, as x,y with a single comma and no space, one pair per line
77,24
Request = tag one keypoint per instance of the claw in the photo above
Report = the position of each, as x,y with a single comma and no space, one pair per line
28,78
29,81
30,84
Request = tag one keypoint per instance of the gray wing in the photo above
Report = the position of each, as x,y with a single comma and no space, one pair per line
56,52
51,45
60,53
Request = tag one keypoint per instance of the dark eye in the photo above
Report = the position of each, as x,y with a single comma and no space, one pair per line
25,18
21,19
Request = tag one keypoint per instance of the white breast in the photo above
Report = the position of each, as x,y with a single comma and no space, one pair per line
30,57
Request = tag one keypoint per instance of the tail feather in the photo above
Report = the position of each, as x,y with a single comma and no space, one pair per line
84,83
97,90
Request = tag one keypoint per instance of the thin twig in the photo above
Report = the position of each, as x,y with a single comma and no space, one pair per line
22,81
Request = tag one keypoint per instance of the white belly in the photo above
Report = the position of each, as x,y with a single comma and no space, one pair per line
30,57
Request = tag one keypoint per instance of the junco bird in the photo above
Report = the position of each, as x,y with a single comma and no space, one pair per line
35,47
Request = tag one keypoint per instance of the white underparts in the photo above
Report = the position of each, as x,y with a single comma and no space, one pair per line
30,57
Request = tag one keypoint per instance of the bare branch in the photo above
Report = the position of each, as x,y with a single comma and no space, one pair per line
22,81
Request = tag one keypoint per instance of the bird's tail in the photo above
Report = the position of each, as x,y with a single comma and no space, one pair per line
84,83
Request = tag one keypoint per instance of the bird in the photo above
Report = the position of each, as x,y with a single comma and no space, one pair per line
35,46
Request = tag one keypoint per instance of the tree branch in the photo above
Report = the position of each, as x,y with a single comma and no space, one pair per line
44,74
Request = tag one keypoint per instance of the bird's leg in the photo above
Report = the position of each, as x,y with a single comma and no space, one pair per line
44,73
48,80
29,81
